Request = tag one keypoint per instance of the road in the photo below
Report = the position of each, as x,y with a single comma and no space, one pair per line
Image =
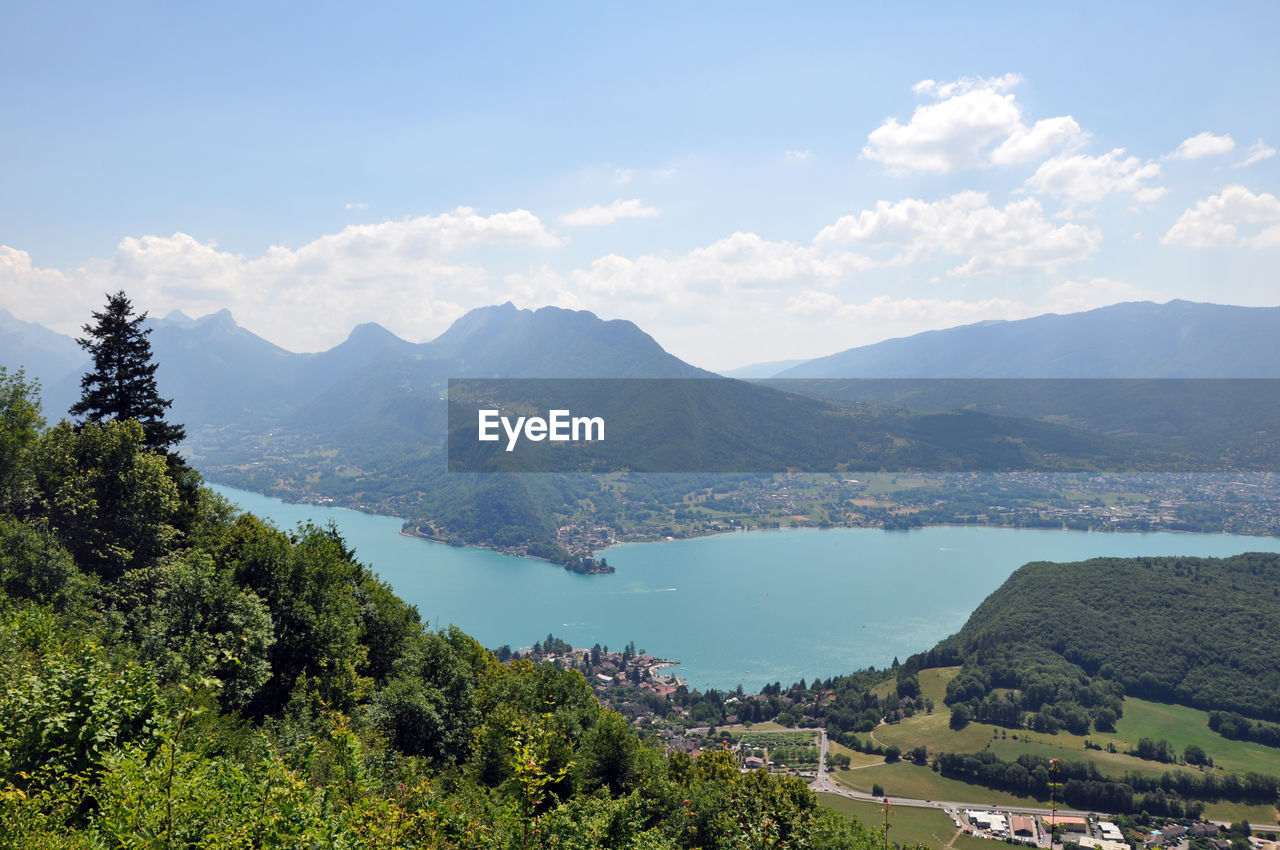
822,782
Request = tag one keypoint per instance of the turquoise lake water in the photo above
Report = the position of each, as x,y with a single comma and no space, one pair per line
747,608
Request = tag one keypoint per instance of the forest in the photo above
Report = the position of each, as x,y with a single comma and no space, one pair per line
177,674
1058,645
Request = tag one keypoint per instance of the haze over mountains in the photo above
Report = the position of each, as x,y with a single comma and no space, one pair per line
220,374
1180,339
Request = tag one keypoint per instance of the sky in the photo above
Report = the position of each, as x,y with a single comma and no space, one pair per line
746,182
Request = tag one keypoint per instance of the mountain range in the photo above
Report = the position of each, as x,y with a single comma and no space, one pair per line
376,387
1180,339
239,374
219,374
364,422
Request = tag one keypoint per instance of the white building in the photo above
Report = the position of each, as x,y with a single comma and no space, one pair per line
1099,843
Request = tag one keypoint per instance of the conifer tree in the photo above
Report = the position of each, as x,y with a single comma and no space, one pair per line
122,382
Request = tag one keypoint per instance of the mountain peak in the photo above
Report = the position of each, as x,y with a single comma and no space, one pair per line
178,317
370,332
504,340
222,317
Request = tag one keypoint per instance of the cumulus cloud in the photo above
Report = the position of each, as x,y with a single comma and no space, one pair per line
1214,221
964,85
740,261
1258,151
990,239
1084,179
1204,144
976,122
1047,135
798,156
355,205
599,216
400,273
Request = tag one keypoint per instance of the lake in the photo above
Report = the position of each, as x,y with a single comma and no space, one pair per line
751,607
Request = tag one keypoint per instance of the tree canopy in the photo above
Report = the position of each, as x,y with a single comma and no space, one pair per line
122,382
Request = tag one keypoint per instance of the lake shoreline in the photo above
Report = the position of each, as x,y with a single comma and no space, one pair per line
734,608
518,552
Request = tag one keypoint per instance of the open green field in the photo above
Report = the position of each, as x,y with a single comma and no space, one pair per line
909,780
907,825
756,738
1142,719
1071,748
856,759
933,683
1259,817
767,726
1182,726
935,733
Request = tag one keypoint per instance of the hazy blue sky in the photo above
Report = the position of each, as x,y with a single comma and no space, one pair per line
745,182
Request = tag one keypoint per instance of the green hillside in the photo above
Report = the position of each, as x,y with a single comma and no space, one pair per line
1073,638
175,675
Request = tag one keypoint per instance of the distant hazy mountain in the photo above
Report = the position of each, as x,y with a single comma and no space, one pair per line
1180,339
46,355
755,371
492,342
396,393
218,373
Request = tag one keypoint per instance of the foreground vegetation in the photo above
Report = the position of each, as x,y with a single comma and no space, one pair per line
176,674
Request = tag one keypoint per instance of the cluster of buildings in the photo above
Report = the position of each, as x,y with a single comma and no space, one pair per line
1036,829
1094,833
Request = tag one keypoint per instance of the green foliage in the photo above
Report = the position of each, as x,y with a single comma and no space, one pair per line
175,675
122,384
107,498
1085,787
308,584
189,618
20,425
63,714
35,565
1230,724
430,706
1072,639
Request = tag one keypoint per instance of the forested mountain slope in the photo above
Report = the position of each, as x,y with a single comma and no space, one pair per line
1072,638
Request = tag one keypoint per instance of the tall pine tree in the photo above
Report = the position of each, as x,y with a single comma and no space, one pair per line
122,382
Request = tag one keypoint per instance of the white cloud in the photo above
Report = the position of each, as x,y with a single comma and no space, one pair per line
622,176
1213,222
1268,238
975,123
398,273
798,156
1204,144
740,261
1046,136
1258,151
1084,179
964,85
355,205
598,215
989,239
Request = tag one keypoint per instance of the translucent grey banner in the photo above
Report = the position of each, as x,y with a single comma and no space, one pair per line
721,425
